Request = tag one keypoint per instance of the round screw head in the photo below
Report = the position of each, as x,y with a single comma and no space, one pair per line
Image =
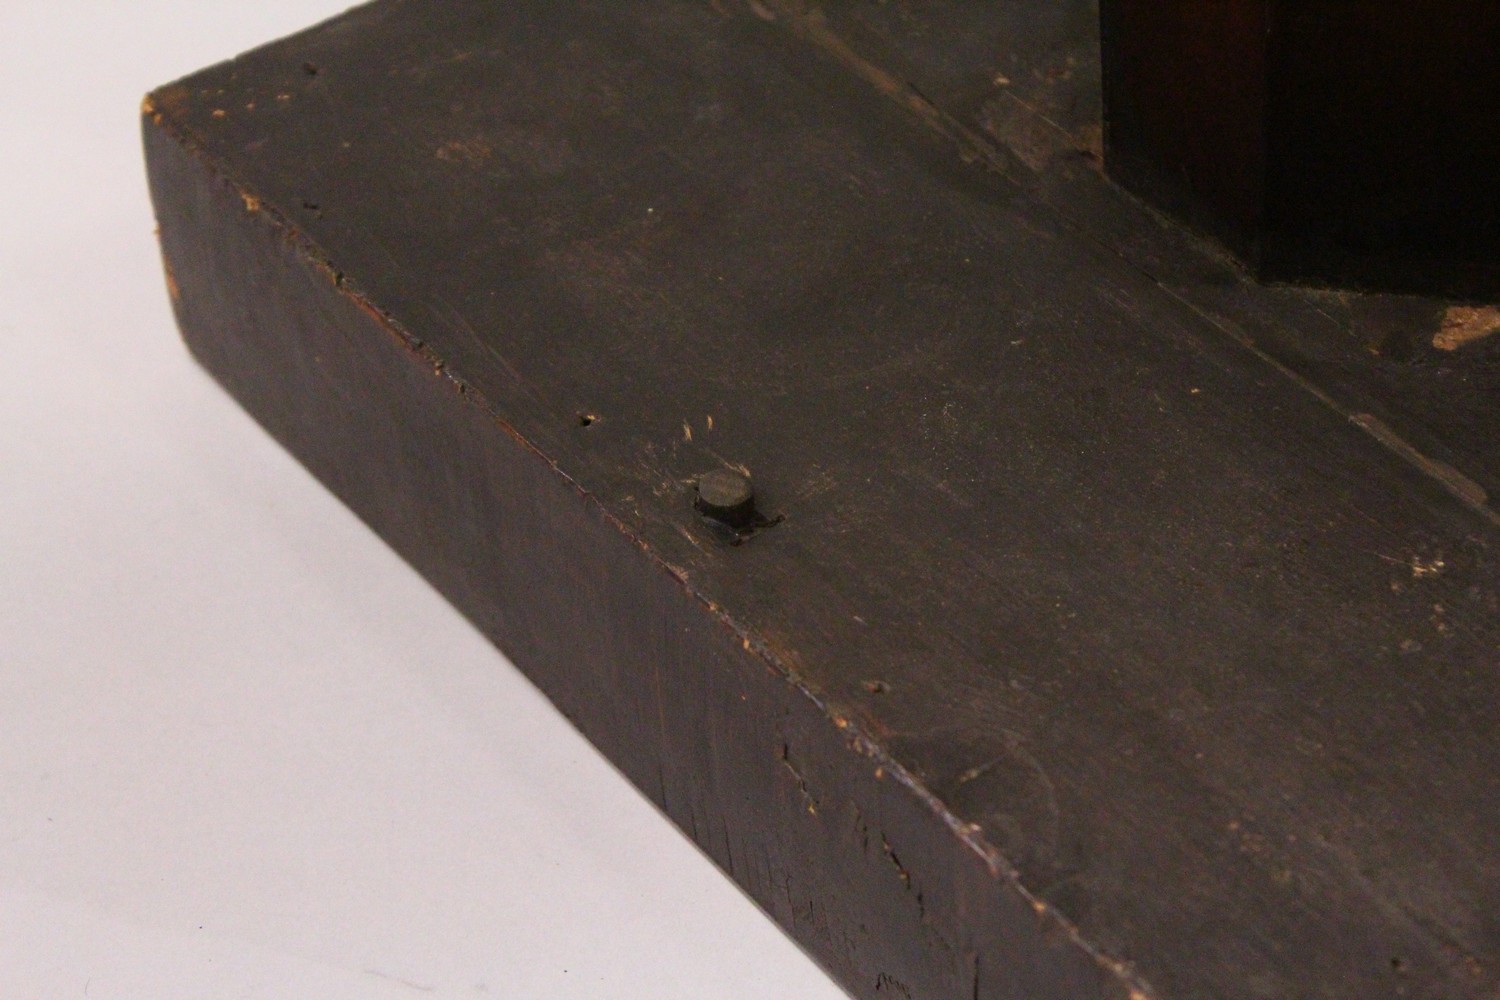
726,497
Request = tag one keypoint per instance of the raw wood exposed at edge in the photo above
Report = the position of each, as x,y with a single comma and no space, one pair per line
856,738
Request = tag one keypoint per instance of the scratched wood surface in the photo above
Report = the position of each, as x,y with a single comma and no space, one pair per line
1130,629
1022,81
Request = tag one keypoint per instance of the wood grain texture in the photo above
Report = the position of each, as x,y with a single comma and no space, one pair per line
1098,653
1019,83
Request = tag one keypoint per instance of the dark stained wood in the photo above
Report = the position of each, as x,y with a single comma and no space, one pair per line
1186,119
1021,82
1327,141
1097,654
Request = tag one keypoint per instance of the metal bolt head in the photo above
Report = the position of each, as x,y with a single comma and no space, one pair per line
727,497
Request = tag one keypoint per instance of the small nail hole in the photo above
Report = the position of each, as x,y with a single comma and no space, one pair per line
309,69
586,419
877,687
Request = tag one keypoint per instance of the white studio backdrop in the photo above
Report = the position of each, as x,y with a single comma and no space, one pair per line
244,750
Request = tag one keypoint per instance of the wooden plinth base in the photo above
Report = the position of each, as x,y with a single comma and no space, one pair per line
1127,630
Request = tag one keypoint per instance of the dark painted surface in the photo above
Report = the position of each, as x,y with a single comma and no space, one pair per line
1186,123
1097,588
1384,150
1327,141
1426,369
815,822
